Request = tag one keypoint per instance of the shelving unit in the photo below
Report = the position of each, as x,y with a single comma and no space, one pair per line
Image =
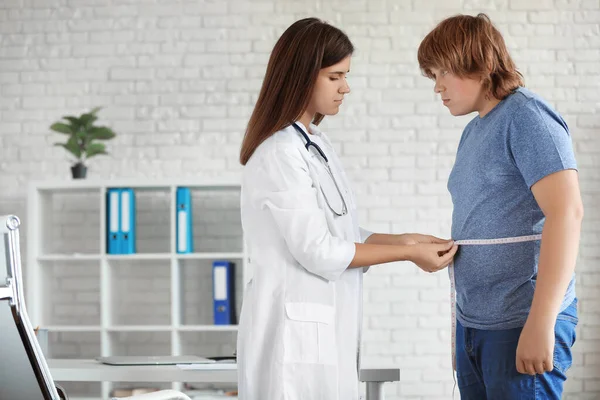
75,288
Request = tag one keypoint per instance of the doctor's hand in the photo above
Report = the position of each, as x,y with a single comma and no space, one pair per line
414,238
432,257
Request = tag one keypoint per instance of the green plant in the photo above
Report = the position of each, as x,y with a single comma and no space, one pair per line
83,135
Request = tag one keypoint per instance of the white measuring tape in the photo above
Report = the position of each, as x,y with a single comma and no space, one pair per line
476,242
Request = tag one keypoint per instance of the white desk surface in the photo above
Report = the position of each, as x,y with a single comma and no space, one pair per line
93,371
72,370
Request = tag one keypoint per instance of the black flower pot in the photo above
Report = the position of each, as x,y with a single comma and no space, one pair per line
78,171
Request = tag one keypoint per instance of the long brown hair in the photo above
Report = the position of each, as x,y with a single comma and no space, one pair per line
471,47
306,47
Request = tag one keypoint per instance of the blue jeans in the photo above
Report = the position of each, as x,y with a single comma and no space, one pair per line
486,362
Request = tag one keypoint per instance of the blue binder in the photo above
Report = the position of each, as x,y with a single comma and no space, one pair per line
224,293
113,221
184,238
127,242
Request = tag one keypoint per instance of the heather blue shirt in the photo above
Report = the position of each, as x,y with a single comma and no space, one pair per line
499,158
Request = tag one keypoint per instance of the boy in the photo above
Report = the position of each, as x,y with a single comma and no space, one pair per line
514,175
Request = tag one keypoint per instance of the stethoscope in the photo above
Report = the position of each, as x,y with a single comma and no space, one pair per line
309,143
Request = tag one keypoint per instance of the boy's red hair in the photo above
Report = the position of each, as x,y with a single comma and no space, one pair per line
471,47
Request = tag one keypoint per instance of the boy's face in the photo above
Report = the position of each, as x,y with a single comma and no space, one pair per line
461,95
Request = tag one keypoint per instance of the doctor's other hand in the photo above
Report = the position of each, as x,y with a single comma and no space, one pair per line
432,257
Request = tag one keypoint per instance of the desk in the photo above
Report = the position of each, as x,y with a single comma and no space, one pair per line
93,371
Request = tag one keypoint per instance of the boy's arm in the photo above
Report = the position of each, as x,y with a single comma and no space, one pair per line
559,198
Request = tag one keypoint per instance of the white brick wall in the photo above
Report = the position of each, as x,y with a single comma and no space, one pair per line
178,80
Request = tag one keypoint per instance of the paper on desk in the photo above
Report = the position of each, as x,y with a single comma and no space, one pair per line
218,366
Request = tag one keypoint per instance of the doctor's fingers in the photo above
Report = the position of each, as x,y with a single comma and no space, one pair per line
445,247
449,255
435,239
446,258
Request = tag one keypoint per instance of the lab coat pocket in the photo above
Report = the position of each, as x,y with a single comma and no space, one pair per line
309,333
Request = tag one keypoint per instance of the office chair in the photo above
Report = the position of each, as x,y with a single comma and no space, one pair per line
28,376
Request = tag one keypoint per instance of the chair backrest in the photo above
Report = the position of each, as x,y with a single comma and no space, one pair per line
25,374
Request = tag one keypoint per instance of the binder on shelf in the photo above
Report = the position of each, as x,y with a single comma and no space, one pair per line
224,293
184,237
127,221
113,211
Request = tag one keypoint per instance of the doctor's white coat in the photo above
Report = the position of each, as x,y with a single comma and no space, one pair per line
301,318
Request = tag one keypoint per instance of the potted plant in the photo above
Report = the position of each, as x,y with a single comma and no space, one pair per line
83,139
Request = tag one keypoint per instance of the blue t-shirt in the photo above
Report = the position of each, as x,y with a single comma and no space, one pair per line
499,158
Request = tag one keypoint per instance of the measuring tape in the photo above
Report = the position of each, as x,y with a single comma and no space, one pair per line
476,242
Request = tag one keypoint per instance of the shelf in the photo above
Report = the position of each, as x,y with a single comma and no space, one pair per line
207,328
72,328
139,328
153,302
210,256
139,256
93,185
70,257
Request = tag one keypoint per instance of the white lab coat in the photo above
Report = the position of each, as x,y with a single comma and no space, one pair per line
300,324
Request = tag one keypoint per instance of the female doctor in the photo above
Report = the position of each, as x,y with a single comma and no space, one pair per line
299,332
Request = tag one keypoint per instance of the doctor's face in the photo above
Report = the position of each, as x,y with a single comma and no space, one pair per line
330,89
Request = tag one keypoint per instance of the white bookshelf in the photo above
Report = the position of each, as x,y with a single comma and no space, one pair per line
46,249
